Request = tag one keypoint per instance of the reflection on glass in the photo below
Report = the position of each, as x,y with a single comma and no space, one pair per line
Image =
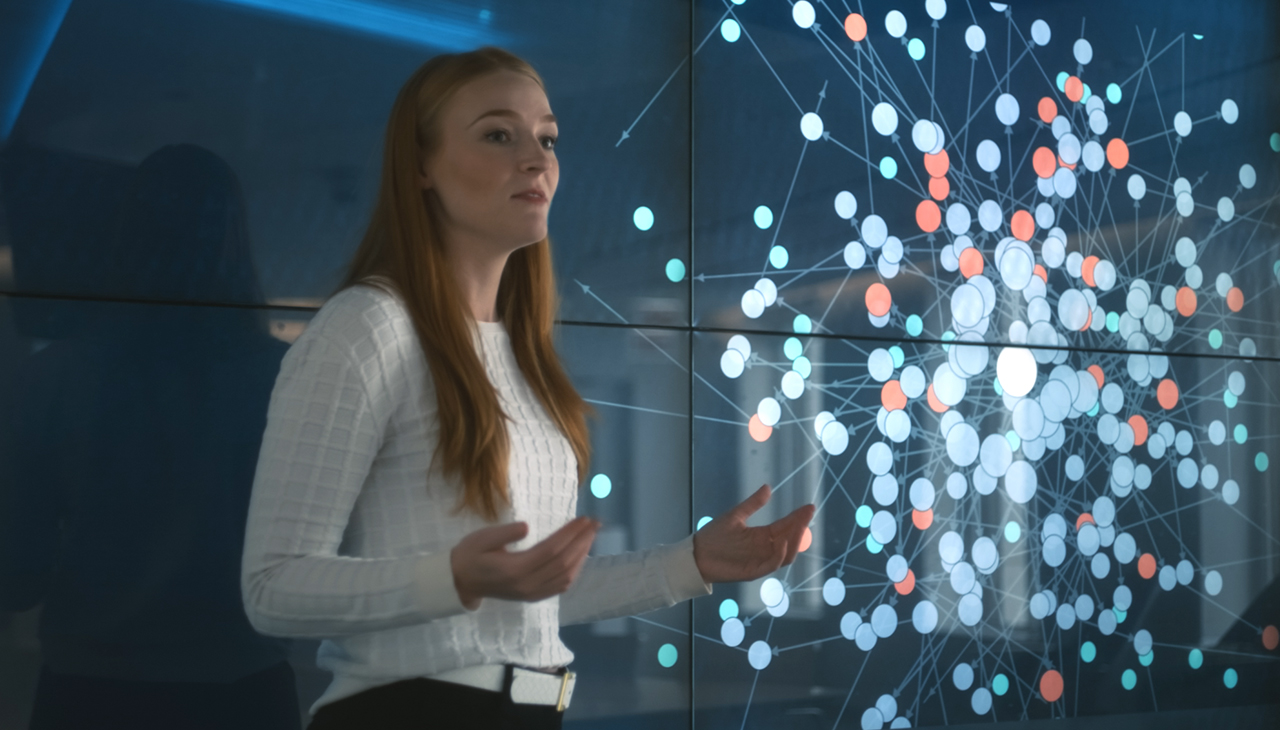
133,440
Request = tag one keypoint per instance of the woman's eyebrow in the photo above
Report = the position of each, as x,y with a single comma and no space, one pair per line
508,113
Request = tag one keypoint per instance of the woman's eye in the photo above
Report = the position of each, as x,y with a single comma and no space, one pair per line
498,135
551,140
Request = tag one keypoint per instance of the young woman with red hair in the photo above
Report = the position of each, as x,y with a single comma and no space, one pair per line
423,424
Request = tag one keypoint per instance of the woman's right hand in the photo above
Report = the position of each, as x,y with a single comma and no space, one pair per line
482,566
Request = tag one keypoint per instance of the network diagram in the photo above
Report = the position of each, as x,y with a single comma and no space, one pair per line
1033,441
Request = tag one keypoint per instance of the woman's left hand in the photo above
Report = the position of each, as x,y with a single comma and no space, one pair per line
726,550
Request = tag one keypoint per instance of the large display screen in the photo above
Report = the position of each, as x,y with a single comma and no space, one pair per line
994,285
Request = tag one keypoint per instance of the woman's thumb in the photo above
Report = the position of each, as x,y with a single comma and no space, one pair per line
492,538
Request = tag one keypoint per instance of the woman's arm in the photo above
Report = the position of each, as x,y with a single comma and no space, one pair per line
325,425
725,550
624,585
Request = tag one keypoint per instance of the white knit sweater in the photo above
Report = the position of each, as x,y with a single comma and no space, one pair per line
349,530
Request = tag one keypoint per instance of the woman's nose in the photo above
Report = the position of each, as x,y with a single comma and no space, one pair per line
535,157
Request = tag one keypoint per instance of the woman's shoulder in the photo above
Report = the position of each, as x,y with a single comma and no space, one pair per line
365,320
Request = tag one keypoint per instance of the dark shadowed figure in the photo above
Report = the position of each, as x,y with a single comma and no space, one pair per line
123,511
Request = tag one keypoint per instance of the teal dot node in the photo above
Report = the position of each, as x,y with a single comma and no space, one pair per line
1012,532
728,609
888,167
863,516
675,270
1260,461
1215,338
915,325
1088,652
898,356
802,325
792,348
601,485
778,257
667,655
1113,93
915,48
1129,679
643,218
1195,659
1229,678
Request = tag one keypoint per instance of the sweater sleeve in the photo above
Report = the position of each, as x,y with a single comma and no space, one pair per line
610,586
323,431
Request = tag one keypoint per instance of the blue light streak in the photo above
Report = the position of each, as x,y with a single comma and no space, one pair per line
452,32
13,98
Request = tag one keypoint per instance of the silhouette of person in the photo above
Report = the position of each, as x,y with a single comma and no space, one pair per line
135,445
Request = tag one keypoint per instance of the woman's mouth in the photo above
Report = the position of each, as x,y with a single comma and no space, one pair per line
532,196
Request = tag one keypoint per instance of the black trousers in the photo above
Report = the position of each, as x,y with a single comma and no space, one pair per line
426,704
266,700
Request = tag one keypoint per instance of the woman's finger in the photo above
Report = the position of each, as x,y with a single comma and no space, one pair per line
497,536
555,544
751,505
567,561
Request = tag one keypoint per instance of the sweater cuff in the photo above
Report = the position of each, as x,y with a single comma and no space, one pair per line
436,592
684,580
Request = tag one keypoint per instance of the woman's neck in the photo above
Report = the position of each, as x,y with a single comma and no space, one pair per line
478,277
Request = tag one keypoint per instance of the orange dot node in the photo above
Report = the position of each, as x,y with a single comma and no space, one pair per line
928,217
892,397
878,299
1186,301
922,519
1074,88
758,430
970,262
1117,153
906,585
1083,518
1040,272
939,188
937,405
806,539
1271,638
1235,299
1023,225
1140,430
1167,394
937,165
1147,565
1044,162
1087,323
855,26
1047,110
1098,375
1086,269
1051,686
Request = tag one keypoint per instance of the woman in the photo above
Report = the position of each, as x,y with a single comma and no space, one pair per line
414,499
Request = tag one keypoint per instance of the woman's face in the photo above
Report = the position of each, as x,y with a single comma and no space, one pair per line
495,171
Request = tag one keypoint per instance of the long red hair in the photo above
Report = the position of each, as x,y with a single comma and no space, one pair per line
403,245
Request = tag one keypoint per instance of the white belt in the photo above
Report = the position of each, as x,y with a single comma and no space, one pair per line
528,686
